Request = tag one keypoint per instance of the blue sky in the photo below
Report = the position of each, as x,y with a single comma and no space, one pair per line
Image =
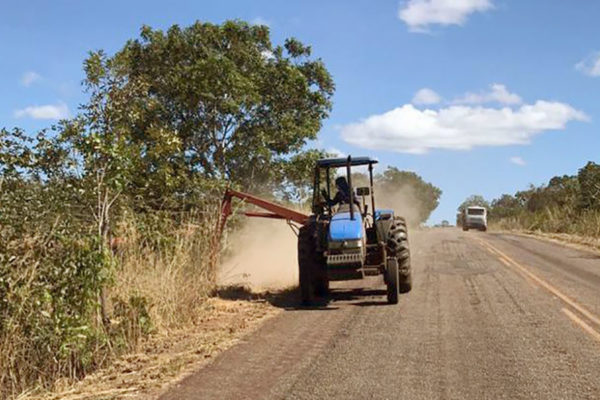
512,85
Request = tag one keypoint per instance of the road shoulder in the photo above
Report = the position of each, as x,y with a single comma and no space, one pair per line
166,358
576,242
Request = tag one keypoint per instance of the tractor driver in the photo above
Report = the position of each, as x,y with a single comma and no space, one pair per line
343,193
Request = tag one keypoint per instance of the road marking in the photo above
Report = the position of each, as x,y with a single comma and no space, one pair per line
504,261
547,286
486,246
582,324
507,263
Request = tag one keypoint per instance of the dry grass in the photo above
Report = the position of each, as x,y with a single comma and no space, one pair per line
175,279
161,283
163,319
560,225
167,356
563,220
42,313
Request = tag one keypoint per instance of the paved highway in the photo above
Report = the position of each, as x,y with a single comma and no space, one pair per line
491,316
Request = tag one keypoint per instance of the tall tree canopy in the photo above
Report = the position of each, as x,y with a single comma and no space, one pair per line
589,184
213,102
474,200
408,193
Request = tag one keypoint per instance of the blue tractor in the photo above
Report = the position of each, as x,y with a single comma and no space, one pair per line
344,240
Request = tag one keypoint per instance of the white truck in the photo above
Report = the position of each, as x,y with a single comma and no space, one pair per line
474,217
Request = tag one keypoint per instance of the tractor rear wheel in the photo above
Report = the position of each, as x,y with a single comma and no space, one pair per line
391,280
321,284
313,277
397,237
397,246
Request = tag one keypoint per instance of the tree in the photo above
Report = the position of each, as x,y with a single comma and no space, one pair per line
297,175
360,179
589,183
474,200
217,102
505,206
408,193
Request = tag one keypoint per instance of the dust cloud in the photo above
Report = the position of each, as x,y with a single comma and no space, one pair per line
262,255
403,201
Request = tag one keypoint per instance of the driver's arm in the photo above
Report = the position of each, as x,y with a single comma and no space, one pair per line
337,199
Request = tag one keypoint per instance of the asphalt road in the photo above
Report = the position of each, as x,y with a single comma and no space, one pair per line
490,316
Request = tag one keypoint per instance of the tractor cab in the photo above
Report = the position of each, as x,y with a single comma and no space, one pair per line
325,188
348,223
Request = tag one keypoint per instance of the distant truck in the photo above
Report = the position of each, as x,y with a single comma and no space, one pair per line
474,217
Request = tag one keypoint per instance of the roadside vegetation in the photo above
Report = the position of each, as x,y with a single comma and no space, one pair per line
107,219
568,204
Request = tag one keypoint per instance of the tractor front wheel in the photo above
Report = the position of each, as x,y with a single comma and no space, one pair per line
391,280
405,277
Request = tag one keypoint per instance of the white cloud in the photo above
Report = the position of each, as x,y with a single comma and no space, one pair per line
49,111
419,14
497,94
426,96
336,152
29,78
518,161
590,65
260,21
407,129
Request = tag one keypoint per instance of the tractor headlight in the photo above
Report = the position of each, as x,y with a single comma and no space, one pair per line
345,244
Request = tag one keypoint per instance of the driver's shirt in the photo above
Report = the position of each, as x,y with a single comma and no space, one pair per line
342,197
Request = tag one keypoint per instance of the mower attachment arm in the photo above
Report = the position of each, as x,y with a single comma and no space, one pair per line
274,210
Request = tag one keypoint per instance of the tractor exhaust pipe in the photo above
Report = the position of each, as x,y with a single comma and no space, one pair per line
351,194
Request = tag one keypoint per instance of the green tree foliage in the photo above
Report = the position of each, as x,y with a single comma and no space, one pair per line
214,102
297,173
504,206
589,184
423,195
568,203
51,269
560,192
474,200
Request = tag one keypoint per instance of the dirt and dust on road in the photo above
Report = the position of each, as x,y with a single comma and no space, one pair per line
261,256
404,201
490,316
